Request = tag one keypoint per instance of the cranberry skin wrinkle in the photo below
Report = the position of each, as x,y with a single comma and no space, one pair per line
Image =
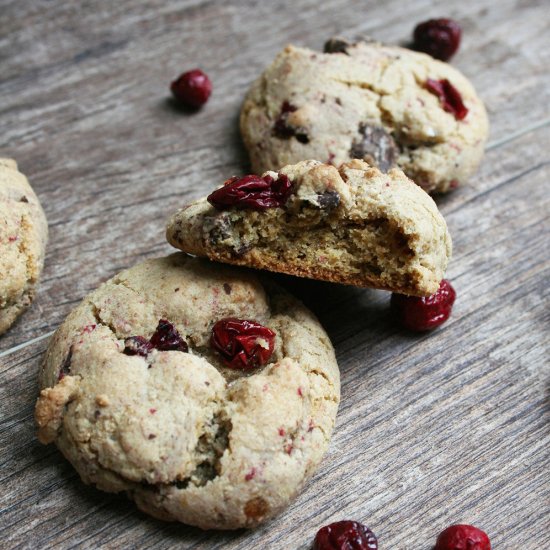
242,344
192,88
462,537
439,38
420,314
252,193
345,535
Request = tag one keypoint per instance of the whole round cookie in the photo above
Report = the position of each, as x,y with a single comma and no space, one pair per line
205,394
384,104
23,236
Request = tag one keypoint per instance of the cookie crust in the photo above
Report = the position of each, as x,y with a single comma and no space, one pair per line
187,438
366,101
23,237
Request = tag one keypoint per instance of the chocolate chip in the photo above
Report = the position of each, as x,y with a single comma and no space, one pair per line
283,130
329,200
66,366
227,288
242,250
336,45
376,146
23,199
221,229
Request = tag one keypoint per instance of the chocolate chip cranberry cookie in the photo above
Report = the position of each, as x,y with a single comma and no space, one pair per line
355,225
207,396
387,105
23,236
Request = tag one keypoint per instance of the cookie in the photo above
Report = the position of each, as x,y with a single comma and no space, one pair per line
23,236
146,391
355,225
384,104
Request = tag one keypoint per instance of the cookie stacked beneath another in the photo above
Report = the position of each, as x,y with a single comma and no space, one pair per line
390,106
23,237
149,388
355,225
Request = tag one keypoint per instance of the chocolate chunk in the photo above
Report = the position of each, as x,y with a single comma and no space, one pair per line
329,200
336,45
66,366
221,229
376,146
283,130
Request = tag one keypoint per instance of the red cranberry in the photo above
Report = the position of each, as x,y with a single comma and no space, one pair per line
438,37
253,192
192,88
165,338
421,314
345,535
450,97
137,345
242,344
462,537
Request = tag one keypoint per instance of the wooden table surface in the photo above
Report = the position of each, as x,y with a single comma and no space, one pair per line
433,429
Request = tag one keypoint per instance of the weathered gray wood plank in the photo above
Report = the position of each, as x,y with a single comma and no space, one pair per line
433,429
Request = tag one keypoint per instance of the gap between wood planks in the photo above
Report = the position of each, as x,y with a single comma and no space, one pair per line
491,145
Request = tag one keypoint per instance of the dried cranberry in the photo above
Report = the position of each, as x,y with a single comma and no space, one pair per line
242,344
345,535
463,537
165,338
253,192
192,88
421,314
438,37
137,345
450,97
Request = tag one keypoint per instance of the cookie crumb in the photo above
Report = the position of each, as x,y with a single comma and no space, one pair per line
102,400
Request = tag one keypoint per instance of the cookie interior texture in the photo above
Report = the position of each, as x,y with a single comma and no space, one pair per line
23,236
366,101
186,437
355,225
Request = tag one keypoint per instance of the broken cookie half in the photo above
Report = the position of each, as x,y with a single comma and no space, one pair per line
355,225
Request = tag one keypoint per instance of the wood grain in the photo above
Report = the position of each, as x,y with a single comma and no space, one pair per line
442,428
